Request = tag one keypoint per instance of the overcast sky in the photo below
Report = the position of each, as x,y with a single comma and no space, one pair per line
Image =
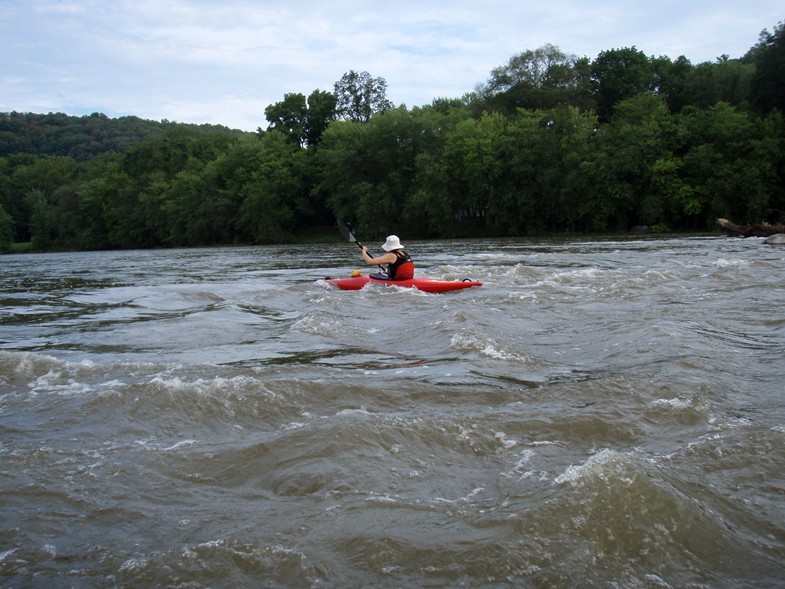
223,62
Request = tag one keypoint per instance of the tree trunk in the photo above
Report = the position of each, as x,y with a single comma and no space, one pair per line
759,230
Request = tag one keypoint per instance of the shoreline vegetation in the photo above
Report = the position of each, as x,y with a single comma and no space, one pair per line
330,236
550,145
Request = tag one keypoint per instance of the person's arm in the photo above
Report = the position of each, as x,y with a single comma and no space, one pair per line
387,258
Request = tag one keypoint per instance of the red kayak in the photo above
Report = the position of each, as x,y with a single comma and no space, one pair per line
424,284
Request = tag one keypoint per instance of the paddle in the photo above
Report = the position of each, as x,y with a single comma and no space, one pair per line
347,233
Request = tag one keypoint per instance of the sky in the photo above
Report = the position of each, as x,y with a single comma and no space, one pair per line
223,62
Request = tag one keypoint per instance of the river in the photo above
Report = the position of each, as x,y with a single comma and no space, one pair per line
600,413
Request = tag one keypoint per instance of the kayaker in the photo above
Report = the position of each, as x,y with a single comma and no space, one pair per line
399,264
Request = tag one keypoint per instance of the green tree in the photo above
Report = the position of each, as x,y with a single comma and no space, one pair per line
618,172
429,203
12,193
45,174
174,196
726,80
618,74
341,167
303,122
183,208
772,149
78,137
41,183
545,153
152,211
227,179
516,208
470,169
536,79
673,201
272,191
768,82
359,95
369,171
173,151
289,117
729,162
108,211
41,223
671,79
6,230
321,112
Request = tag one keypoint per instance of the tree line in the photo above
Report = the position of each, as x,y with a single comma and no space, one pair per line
549,143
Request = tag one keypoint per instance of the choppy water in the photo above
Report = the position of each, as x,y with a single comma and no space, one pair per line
599,414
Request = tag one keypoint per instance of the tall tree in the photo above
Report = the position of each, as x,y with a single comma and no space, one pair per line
534,79
368,170
671,79
272,192
617,174
359,95
725,80
768,83
321,111
289,117
303,122
618,74
727,155
108,211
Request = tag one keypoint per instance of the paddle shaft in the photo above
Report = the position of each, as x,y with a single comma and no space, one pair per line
347,233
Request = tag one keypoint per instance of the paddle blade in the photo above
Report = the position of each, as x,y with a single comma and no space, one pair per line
346,232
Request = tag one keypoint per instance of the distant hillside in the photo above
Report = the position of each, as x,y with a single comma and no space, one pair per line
78,137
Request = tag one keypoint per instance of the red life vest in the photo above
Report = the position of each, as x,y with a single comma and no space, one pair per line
402,268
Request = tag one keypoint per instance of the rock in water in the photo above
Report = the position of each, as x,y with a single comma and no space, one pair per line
778,239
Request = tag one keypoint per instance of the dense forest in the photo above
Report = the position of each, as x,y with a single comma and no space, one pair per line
548,143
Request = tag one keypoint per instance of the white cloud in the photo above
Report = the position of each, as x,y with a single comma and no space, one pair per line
203,61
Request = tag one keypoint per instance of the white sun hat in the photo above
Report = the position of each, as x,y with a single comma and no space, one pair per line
392,243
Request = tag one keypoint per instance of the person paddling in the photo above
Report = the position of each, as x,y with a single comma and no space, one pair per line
399,264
